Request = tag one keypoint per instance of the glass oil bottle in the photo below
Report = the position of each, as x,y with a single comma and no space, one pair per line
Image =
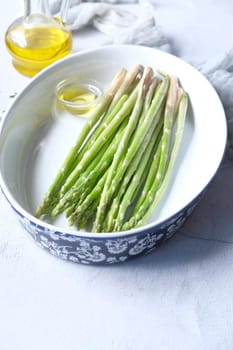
37,39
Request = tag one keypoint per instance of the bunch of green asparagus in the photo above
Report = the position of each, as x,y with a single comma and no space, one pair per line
120,166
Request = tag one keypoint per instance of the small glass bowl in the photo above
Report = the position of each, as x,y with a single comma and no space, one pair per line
78,96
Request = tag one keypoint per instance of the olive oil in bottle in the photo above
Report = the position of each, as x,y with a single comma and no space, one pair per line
34,47
37,39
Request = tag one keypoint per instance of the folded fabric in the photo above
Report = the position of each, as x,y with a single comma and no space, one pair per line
117,20
220,74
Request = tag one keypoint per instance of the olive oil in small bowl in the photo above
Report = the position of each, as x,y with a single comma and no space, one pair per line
76,96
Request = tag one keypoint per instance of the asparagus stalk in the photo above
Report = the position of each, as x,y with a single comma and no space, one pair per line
169,117
115,159
74,192
151,118
93,196
87,181
155,162
85,222
109,188
129,82
104,137
81,186
136,182
88,178
158,165
153,134
149,96
150,178
182,111
109,115
51,198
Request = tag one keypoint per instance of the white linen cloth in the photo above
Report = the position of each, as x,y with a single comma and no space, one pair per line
122,25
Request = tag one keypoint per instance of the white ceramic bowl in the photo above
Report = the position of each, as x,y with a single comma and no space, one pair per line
33,144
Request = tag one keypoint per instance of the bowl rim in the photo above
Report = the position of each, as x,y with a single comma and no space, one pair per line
95,235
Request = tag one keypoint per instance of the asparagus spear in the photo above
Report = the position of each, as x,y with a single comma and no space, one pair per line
102,139
158,166
133,121
151,118
110,164
150,178
149,96
83,208
109,115
129,82
153,134
116,105
182,111
169,118
72,197
137,181
51,198
111,214
90,177
155,162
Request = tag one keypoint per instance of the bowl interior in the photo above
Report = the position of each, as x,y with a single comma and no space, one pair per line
34,143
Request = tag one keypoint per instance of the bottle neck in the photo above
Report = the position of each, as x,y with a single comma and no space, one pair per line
36,7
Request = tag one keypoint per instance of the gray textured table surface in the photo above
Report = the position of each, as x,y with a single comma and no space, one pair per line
180,297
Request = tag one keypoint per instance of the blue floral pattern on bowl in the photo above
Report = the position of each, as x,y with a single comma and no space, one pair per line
105,250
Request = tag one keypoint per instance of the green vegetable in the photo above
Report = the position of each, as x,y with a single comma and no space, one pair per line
174,153
119,168
51,197
151,188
